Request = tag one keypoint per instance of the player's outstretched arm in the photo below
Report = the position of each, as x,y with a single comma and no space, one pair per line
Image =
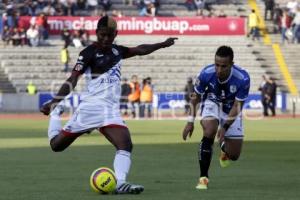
64,90
145,49
194,105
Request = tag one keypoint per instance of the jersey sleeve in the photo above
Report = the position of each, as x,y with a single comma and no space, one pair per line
243,91
123,51
200,83
83,61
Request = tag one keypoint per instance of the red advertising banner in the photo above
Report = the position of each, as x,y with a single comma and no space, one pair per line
151,26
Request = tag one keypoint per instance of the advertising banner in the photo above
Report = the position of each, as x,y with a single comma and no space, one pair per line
174,101
148,25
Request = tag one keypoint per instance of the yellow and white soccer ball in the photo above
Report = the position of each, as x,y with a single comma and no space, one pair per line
103,180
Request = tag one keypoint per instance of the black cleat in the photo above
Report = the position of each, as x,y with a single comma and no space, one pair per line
128,188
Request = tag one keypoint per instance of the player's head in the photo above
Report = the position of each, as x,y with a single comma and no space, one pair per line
106,32
223,62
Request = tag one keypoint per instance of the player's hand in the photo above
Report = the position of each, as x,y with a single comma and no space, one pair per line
47,107
169,41
221,134
188,130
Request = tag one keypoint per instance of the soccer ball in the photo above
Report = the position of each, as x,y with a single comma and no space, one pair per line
103,180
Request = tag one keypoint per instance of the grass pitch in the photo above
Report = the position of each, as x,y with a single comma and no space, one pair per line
167,166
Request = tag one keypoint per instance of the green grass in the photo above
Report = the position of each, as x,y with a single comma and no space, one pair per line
168,168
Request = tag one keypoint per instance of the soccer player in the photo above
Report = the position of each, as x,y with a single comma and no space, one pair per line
222,89
99,108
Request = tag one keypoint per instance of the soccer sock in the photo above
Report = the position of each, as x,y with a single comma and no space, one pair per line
54,126
205,155
122,164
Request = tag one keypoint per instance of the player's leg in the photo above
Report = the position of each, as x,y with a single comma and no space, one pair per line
209,125
59,138
119,136
232,145
233,148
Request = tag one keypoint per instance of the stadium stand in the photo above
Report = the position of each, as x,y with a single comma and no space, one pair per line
169,68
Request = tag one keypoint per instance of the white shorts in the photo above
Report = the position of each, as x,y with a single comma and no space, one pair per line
213,110
88,117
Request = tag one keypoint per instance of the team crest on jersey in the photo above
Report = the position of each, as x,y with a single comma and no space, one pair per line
233,88
115,51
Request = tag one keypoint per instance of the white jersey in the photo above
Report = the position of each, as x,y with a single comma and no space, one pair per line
100,105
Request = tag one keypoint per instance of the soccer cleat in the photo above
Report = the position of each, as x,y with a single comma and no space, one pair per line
127,188
203,183
224,160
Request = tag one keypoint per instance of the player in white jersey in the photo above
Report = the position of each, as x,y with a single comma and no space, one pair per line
222,89
99,108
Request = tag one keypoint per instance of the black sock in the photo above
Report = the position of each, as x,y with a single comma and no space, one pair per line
205,155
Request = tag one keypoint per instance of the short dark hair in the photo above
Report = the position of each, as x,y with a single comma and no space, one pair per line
107,22
225,51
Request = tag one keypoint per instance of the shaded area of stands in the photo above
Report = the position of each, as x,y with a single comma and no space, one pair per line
169,68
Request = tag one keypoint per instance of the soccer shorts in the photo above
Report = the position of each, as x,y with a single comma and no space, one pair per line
212,110
88,117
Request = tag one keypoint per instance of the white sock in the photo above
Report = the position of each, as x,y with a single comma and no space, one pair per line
54,126
122,164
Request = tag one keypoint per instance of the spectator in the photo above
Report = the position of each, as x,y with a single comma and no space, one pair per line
285,24
66,36
81,4
92,6
23,38
264,98
269,6
292,7
190,5
33,36
106,4
271,95
27,8
6,35
76,39
49,10
42,25
125,91
188,90
296,27
276,19
149,10
134,97
253,24
31,88
146,98
65,57
15,37
84,37
200,5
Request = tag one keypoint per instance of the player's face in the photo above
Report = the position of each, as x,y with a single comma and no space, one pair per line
223,67
106,37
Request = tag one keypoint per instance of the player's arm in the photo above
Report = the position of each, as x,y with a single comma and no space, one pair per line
194,106
236,109
64,90
145,49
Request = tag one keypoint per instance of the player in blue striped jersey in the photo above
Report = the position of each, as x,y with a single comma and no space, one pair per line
222,89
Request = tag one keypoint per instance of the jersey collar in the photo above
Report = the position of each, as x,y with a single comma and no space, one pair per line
231,72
